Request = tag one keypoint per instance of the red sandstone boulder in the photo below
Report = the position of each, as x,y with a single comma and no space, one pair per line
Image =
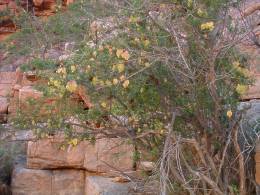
46,154
96,185
47,182
70,182
106,155
7,79
111,154
31,182
5,90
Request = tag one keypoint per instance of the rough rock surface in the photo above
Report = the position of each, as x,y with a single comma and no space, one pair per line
31,182
106,155
46,154
68,182
248,21
111,155
47,182
96,185
7,80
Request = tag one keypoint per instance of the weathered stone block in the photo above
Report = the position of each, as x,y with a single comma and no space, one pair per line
112,154
68,182
7,77
5,89
106,155
257,174
47,182
96,185
31,182
46,154
28,92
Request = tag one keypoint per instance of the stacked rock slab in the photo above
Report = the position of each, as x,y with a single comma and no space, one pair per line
75,170
7,80
47,182
106,155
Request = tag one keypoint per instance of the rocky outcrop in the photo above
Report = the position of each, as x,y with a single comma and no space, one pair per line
31,182
247,33
64,182
75,170
10,8
96,185
47,182
106,155
7,80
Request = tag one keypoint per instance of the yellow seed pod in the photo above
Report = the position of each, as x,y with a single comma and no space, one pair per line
73,142
120,67
62,147
101,83
147,64
73,68
126,83
146,43
208,26
72,86
95,81
103,104
241,89
56,83
115,81
108,83
229,113
119,52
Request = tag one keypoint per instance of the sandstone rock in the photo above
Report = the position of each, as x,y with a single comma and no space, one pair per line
250,117
20,97
67,2
106,155
68,182
96,185
146,166
23,135
5,90
3,105
46,182
38,2
257,174
31,182
112,155
45,154
28,92
7,77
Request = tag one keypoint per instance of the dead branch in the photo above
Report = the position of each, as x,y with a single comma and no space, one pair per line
242,173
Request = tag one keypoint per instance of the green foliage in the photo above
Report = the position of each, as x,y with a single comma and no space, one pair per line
125,78
139,77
